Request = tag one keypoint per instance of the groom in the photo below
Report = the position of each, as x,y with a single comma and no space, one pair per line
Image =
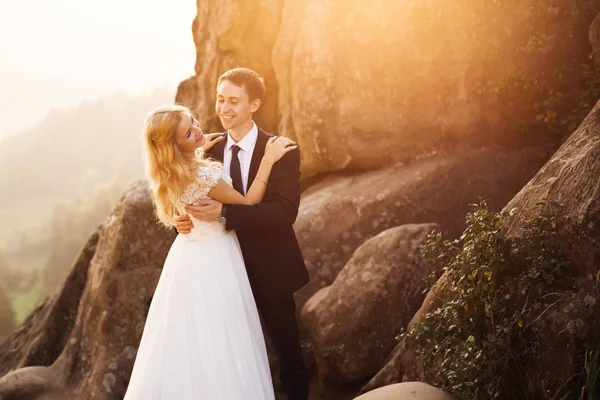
272,256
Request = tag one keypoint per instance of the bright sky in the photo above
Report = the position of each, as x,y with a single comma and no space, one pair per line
56,53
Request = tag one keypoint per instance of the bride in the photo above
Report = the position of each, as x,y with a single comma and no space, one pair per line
202,339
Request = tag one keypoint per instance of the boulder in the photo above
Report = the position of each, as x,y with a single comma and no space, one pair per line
354,325
340,213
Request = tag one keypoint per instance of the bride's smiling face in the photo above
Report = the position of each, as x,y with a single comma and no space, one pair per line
189,135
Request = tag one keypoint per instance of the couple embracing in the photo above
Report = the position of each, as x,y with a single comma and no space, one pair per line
233,199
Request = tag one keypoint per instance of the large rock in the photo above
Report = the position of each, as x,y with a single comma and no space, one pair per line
595,39
406,390
84,338
310,308
572,178
231,34
364,84
355,324
572,319
340,213
403,360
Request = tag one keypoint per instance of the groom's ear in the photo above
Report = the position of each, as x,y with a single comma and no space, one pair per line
255,105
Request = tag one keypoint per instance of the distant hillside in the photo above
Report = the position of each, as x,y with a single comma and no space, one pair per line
69,153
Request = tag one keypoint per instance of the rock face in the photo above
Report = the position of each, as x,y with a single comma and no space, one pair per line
571,320
366,84
231,34
307,314
403,360
355,323
340,213
571,177
83,340
595,39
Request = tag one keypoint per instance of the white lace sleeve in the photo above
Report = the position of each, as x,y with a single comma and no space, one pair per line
209,176
207,179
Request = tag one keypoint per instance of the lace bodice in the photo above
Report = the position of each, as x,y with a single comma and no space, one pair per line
207,179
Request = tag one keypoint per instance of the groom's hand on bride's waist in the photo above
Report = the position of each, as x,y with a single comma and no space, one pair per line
183,224
205,210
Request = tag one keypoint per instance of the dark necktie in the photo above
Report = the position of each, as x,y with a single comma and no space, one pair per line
235,170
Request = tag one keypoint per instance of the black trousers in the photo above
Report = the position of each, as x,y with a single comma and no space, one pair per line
279,317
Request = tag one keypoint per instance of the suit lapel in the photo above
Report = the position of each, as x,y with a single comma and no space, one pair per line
217,152
257,155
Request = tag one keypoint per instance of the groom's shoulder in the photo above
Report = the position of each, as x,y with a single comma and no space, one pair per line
290,160
263,132
266,134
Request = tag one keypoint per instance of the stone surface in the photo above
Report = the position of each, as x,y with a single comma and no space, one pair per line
356,322
367,84
342,212
229,34
595,39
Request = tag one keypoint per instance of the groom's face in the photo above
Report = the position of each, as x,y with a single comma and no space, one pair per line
233,106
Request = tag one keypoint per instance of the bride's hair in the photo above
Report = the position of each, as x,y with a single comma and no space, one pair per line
167,169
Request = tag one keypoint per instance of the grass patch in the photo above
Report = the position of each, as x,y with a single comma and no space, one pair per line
23,304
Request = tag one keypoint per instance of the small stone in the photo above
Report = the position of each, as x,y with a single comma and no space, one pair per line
571,327
129,352
589,301
569,307
109,380
111,220
582,328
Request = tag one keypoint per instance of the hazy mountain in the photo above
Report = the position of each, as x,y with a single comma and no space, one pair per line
69,153
25,97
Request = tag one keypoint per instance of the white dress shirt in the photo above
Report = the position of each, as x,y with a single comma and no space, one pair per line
246,146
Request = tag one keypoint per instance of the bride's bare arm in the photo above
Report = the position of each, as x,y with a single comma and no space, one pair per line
225,194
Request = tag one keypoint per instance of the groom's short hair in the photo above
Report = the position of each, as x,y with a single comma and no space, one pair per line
247,79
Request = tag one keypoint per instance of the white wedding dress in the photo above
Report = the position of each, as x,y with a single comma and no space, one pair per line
202,339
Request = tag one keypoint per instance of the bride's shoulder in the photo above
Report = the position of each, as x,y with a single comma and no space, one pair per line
208,176
210,173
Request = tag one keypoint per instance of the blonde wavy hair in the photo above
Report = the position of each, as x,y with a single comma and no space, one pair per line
167,169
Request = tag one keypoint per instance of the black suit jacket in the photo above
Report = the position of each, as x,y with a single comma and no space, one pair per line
273,259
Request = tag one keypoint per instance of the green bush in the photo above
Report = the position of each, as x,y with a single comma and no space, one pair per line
495,291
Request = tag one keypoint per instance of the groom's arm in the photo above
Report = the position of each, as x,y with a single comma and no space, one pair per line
281,210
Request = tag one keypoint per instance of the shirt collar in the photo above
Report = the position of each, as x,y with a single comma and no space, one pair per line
247,143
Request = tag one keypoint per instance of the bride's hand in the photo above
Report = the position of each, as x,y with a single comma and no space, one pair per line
212,139
277,146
